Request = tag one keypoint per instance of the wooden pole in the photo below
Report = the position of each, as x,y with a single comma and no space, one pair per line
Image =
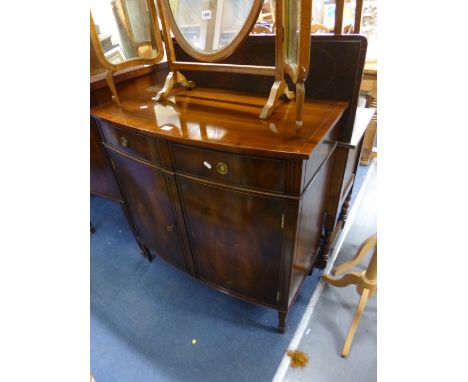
339,12
358,16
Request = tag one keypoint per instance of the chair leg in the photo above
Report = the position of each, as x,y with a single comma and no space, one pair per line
362,251
350,278
355,322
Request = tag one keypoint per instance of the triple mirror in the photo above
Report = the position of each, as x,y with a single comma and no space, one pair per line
207,30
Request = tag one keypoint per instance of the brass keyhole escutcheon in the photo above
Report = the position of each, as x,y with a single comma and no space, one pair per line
124,141
170,227
222,168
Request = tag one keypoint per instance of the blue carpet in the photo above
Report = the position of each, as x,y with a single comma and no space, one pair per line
145,315
361,175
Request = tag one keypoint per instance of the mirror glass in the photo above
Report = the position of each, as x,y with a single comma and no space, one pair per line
125,29
210,25
292,15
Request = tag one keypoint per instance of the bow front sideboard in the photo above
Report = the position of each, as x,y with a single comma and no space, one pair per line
245,205
235,201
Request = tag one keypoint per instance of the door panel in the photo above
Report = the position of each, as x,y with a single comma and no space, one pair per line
236,238
102,181
145,189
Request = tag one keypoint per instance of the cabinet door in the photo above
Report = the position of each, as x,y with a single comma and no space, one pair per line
236,239
102,181
147,194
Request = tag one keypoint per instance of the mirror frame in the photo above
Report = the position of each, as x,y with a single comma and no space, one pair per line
133,61
299,71
219,54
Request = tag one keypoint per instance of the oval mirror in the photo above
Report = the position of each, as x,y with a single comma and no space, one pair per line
122,32
210,30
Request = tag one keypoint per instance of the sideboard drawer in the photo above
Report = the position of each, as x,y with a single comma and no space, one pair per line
133,144
242,170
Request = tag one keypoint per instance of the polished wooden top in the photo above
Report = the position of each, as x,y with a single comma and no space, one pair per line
225,120
98,81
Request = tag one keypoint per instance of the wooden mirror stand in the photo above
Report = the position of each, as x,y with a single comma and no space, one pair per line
297,70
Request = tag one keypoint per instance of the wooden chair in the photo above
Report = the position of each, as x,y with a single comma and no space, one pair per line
348,29
339,13
338,28
319,28
366,283
259,29
267,13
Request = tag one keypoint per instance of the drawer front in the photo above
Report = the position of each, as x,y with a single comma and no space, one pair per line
248,171
133,144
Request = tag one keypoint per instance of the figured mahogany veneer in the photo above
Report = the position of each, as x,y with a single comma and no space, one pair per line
235,201
262,173
102,181
150,208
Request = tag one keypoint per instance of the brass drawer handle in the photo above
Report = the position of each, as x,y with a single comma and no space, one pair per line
170,227
222,168
124,141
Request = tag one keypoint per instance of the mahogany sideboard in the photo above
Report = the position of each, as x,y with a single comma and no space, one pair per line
233,200
241,204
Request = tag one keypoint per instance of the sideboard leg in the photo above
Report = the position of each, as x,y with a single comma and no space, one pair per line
282,321
145,251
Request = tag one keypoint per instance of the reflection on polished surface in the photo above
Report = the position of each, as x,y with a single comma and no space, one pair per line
124,29
166,115
209,25
226,119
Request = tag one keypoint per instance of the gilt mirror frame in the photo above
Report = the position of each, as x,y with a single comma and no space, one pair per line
111,68
298,70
